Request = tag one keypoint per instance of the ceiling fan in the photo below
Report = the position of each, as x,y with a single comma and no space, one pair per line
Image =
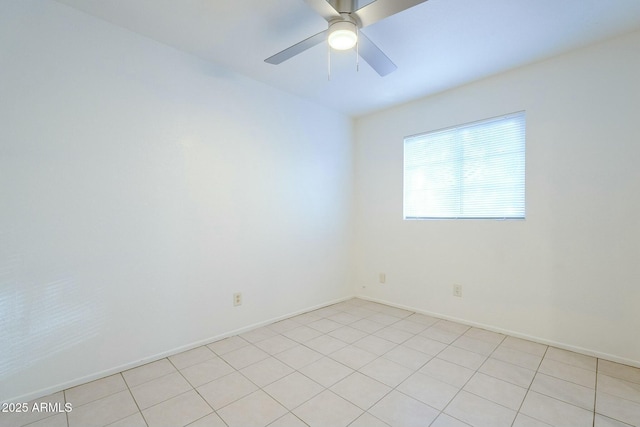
345,20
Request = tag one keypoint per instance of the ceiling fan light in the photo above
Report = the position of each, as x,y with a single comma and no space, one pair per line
342,35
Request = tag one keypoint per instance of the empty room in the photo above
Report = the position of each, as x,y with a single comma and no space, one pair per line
321,213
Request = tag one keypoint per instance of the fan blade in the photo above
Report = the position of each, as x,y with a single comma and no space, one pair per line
323,9
374,56
380,9
297,48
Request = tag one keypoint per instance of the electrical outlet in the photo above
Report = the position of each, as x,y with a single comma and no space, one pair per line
457,291
237,299
382,278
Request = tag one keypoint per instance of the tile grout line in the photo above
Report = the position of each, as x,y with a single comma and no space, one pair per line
595,391
466,382
134,399
192,388
529,388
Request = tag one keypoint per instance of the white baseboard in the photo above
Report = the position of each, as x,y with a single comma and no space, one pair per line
105,373
516,334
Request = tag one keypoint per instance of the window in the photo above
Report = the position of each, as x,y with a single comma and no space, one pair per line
471,171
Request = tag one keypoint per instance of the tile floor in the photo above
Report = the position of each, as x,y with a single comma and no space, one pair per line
358,364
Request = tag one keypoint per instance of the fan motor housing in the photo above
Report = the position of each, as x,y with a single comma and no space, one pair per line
344,6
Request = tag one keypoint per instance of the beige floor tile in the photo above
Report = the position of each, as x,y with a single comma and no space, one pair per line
517,357
475,345
148,372
397,409
555,412
353,357
617,370
497,391
227,345
206,371
448,325
348,334
284,325
479,412
344,318
507,372
602,421
192,357
276,344
266,371
293,390
257,335
375,345
618,387
393,334
383,319
571,358
484,335
325,312
58,420
445,420
462,357
315,412
425,345
447,372
298,356
245,356
325,325
226,390
407,357
161,389
440,334
618,408
178,411
395,311
386,371
530,347
326,371
306,318
367,326
302,334
574,374
255,410
103,411
429,390
135,420
523,420
325,344
409,326
421,319
368,420
288,420
360,390
95,390
211,420
566,391
360,312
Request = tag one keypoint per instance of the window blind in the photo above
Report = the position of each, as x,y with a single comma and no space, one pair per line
471,171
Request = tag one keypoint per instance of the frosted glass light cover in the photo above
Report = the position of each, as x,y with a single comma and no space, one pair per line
342,35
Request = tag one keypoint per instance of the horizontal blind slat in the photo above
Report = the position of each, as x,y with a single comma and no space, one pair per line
474,170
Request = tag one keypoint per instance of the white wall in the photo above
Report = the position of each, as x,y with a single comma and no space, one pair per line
141,187
569,273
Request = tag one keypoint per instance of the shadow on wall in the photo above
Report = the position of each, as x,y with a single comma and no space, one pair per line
38,321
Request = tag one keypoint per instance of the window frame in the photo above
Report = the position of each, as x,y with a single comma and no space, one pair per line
460,166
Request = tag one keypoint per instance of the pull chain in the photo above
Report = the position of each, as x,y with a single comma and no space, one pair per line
357,49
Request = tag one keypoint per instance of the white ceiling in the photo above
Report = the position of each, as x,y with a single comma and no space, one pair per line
436,45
